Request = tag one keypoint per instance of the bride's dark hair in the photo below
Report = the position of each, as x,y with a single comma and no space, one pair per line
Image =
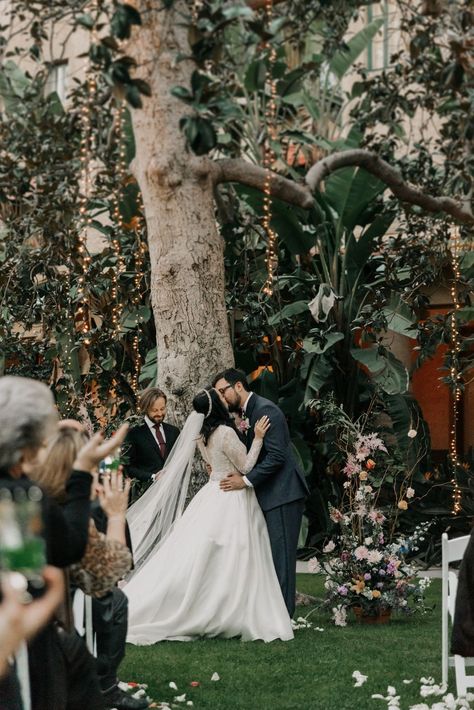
208,399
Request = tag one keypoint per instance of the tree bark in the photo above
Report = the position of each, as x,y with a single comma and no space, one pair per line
186,250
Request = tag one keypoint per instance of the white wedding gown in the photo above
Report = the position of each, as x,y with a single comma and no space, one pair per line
214,574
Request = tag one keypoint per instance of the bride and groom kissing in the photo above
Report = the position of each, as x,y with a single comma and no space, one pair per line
226,565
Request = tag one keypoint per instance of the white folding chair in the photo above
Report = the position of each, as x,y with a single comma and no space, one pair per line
82,612
452,551
23,675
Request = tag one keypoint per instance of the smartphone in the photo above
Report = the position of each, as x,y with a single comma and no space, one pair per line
22,545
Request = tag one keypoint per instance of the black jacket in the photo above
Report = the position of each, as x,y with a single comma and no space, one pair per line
276,476
141,452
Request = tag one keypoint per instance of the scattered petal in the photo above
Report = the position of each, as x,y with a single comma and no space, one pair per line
407,682
215,676
173,685
195,684
181,698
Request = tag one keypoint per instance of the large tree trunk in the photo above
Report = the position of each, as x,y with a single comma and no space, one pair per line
186,250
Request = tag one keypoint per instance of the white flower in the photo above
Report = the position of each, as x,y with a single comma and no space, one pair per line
359,679
368,541
322,303
215,676
410,492
374,557
339,615
412,433
329,547
313,565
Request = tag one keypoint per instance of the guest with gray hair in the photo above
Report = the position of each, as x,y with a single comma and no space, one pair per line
62,673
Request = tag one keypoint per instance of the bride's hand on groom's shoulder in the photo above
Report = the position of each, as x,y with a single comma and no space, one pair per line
262,425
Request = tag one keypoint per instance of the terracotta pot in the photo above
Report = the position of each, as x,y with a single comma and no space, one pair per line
382,616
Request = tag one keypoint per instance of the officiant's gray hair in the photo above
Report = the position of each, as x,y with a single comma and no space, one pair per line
27,417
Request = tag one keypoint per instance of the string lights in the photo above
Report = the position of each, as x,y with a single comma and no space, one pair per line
85,218
271,258
136,298
117,215
455,369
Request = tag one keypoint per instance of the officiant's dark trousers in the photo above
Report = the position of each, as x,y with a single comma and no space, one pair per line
284,525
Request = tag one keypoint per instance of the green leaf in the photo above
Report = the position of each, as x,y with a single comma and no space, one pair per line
255,76
85,20
150,367
399,317
330,340
349,192
320,373
303,454
288,311
386,370
344,59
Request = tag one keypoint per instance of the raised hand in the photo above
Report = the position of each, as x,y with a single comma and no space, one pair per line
113,495
96,449
261,427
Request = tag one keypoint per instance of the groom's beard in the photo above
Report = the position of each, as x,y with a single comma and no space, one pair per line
234,407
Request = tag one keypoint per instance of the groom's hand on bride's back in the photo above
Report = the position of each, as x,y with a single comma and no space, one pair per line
232,482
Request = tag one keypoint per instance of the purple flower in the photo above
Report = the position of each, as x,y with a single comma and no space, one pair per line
367,576
345,556
382,572
381,539
379,585
342,590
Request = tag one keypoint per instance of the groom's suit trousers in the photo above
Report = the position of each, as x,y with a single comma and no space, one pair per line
284,525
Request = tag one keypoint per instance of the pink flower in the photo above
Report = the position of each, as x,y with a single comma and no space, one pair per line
243,426
361,552
376,516
329,547
313,565
336,515
352,467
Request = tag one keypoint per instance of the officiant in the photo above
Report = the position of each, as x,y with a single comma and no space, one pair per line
148,445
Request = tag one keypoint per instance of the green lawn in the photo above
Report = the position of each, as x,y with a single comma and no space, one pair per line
313,672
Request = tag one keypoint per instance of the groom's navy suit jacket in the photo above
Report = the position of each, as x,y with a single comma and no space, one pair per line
142,453
276,477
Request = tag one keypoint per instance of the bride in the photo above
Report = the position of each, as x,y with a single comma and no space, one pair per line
210,572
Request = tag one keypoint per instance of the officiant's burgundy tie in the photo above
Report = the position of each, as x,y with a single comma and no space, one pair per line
161,441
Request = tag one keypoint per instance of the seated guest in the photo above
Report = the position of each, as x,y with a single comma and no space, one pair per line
107,558
147,445
62,673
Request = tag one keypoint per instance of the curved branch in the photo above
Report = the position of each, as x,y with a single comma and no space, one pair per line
245,173
391,177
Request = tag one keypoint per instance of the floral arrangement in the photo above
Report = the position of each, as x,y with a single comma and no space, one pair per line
365,562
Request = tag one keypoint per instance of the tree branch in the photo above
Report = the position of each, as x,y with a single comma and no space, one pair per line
391,177
260,4
245,173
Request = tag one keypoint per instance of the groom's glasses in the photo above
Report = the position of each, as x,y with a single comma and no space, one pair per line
223,389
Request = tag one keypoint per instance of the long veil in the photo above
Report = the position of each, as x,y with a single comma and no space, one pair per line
151,517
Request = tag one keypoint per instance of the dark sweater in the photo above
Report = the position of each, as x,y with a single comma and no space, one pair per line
66,527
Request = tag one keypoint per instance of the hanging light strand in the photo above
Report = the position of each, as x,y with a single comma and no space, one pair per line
85,218
456,376
118,219
137,293
271,258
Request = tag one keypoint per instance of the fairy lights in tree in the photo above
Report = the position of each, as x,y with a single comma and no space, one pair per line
117,215
455,369
271,258
136,297
85,218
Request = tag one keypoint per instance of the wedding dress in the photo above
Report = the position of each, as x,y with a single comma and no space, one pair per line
213,575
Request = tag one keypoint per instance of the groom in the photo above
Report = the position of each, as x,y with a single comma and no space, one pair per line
279,484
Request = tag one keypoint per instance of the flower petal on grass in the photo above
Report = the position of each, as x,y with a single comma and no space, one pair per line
173,685
215,676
